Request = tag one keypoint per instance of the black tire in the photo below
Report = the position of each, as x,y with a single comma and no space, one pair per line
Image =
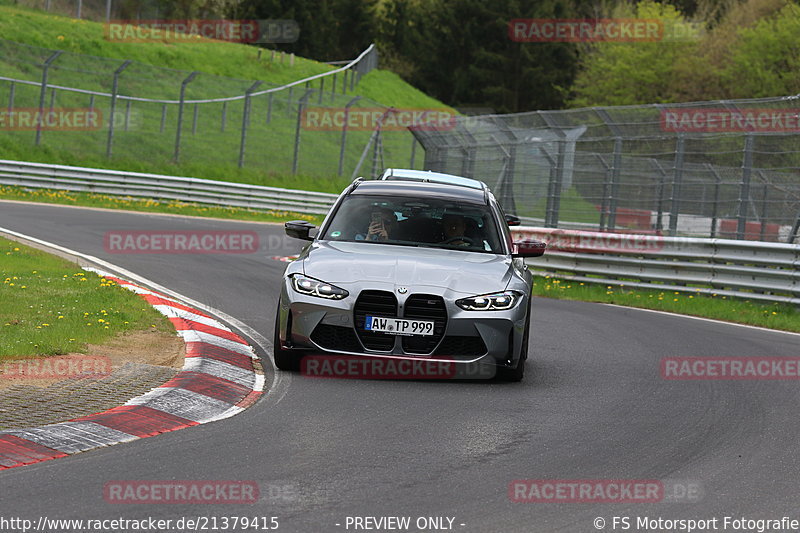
284,359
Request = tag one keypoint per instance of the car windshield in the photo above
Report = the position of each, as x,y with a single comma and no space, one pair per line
435,223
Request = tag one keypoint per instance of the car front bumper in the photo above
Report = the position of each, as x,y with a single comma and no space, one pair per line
490,338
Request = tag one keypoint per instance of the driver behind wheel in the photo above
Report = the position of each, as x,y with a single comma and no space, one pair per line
454,227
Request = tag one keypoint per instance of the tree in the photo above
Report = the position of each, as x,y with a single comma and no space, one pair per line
765,60
641,72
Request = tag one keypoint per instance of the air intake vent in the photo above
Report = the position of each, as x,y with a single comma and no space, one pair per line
425,307
374,303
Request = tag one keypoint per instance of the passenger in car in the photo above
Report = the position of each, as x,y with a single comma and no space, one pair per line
383,223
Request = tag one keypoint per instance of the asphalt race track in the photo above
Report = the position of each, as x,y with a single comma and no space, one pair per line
592,406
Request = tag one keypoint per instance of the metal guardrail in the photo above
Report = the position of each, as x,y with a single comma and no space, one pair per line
160,187
762,271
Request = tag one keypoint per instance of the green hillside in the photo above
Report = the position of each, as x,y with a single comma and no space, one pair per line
211,132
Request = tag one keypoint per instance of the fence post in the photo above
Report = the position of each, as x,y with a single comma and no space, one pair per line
344,132
163,117
378,147
246,120
11,92
128,105
795,230
184,83
79,9
300,105
108,11
744,187
763,208
195,113
715,204
604,192
662,181
114,91
616,167
224,116
333,87
43,93
269,107
677,177
321,89
550,186
555,205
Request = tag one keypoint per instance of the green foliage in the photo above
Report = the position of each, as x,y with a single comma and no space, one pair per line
624,73
752,51
766,58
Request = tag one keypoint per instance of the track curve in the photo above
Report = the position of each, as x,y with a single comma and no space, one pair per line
592,407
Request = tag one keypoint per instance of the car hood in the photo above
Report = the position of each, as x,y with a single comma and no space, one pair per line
464,272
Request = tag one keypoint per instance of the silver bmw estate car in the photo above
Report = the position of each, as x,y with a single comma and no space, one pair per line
413,266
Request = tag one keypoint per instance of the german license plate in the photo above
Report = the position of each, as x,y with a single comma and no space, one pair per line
398,326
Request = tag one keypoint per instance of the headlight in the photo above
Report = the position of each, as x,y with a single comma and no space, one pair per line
313,287
498,301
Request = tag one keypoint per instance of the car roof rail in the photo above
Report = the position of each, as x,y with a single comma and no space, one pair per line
356,182
432,177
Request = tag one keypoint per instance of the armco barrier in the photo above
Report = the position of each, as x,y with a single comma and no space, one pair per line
158,187
754,270
757,270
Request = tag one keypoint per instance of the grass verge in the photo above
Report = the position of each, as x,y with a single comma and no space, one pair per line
145,132
151,206
52,307
738,310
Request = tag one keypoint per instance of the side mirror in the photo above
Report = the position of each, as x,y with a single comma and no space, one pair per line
529,249
512,220
299,229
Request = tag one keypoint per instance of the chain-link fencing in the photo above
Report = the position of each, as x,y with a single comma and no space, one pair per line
162,115
710,169
106,10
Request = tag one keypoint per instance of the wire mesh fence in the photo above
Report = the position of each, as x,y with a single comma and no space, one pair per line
101,10
711,169
148,113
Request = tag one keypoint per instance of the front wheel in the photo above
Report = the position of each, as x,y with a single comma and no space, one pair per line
284,359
